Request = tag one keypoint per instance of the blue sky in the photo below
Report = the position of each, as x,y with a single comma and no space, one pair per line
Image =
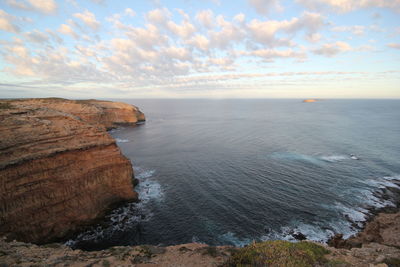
200,49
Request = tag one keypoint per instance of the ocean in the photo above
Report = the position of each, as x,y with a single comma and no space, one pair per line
227,172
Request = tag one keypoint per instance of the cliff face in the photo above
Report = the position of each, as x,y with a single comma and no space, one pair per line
59,168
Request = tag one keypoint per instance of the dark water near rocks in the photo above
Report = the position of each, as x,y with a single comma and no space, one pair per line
233,171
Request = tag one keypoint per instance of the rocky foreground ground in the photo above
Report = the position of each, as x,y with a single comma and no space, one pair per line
377,245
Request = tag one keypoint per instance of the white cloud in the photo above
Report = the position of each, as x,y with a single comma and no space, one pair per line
7,22
44,6
158,16
37,37
148,37
332,49
356,29
229,33
17,4
394,45
177,53
265,7
98,1
240,18
314,37
184,30
271,53
265,31
129,12
343,6
89,19
200,42
206,18
66,29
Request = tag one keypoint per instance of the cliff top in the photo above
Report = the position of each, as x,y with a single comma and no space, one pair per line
36,127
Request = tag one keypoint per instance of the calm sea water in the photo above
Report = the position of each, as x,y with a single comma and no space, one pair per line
233,171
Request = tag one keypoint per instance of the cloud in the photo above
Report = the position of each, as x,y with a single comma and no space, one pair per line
200,42
269,54
265,7
89,19
44,6
229,33
394,45
206,18
343,6
356,29
148,37
37,37
7,22
332,49
18,4
265,32
184,30
170,50
129,12
66,29
158,16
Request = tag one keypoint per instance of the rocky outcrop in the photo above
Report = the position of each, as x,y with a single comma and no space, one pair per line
59,168
383,229
185,255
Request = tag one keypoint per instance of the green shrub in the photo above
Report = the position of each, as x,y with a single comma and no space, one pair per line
5,105
280,253
392,262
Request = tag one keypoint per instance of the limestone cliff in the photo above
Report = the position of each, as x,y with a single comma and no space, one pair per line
59,168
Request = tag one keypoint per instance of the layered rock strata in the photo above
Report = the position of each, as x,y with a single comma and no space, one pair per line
59,168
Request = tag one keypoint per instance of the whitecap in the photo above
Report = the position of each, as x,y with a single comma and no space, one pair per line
313,232
119,140
149,190
356,215
143,174
334,158
195,239
296,157
232,239
128,216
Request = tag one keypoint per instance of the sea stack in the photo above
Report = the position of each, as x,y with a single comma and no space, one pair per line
59,168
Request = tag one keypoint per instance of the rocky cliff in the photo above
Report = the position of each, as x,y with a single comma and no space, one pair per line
59,168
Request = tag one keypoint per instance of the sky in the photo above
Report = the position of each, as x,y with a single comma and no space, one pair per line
200,48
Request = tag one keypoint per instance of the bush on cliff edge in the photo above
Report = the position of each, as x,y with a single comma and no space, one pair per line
280,253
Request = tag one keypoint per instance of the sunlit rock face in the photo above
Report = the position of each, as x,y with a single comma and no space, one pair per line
59,168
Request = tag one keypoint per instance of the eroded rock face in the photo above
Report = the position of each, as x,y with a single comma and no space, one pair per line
59,168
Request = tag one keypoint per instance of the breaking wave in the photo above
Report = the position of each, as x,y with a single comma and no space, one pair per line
126,217
119,140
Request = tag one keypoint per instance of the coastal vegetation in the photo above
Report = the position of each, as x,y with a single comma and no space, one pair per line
281,253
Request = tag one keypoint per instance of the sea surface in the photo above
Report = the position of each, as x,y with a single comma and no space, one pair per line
233,171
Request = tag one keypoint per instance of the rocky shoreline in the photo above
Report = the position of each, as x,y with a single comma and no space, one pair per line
368,252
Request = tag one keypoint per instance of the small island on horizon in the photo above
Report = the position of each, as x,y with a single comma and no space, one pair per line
311,100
